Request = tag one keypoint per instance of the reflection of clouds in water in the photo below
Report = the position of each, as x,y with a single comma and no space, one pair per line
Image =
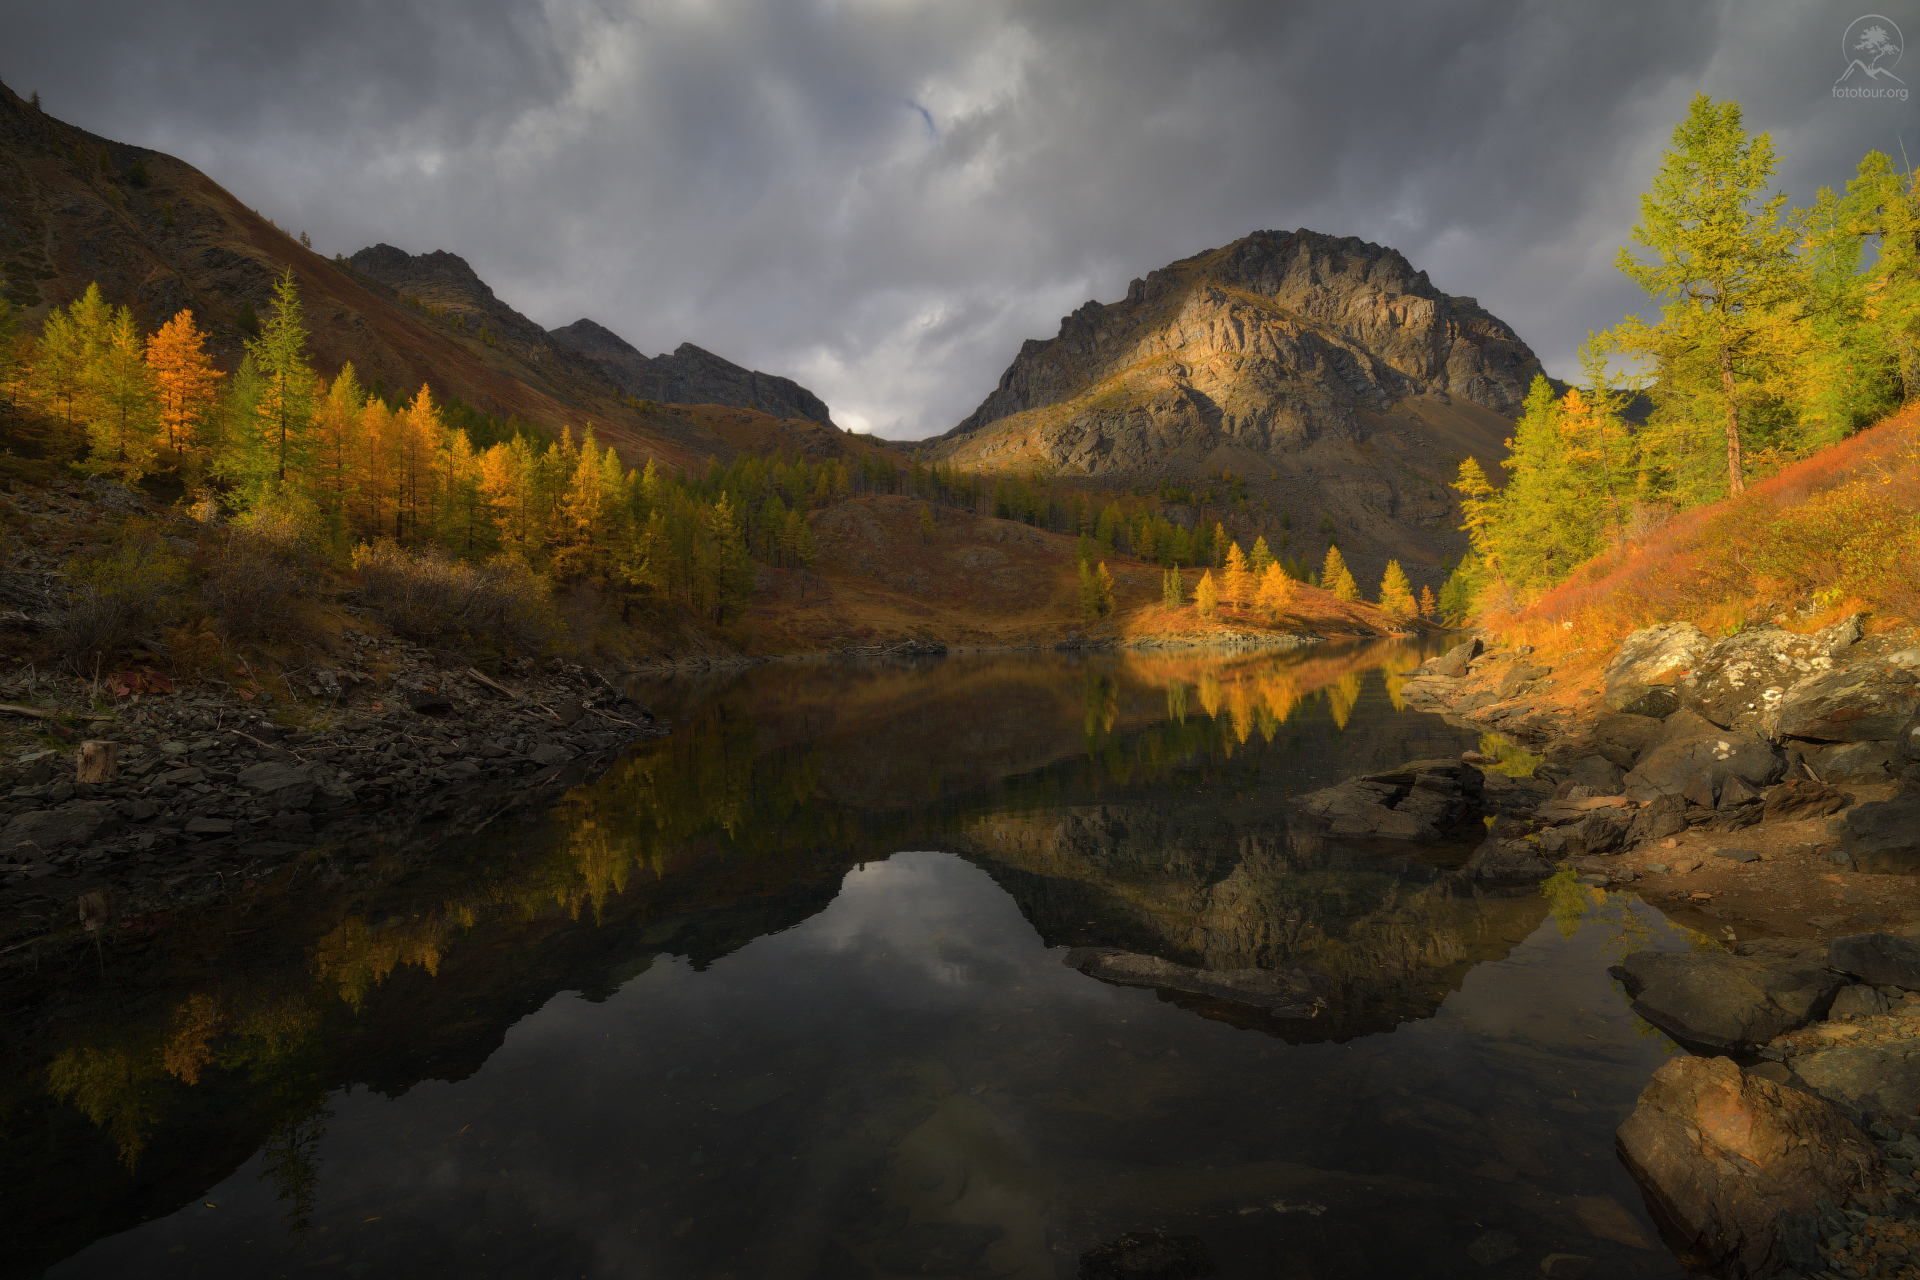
929,914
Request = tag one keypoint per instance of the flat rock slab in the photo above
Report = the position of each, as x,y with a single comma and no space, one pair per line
1722,1003
1284,993
75,823
1725,1154
1413,803
1883,959
1867,1082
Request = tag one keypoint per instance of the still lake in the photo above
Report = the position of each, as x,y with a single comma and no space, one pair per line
782,995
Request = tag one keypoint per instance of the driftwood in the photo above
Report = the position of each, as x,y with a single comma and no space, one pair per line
96,761
487,681
616,719
38,714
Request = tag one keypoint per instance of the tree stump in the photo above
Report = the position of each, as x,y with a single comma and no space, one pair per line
97,761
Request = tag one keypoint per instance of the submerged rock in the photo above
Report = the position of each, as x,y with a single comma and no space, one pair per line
1727,1156
1725,1003
1415,802
1295,992
1148,1255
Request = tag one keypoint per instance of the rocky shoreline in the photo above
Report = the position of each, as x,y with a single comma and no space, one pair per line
1786,1144
206,792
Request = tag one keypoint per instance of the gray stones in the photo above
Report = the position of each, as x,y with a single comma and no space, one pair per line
1724,1003
1621,739
1852,761
202,826
1737,855
1597,772
549,753
1294,992
1871,701
1725,1155
1663,816
1884,835
1650,663
1883,959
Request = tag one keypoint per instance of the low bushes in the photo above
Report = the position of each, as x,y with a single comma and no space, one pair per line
501,606
117,596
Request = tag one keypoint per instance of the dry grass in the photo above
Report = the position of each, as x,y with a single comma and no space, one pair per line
1835,533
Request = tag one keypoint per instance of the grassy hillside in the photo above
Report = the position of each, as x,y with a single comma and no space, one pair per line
1835,533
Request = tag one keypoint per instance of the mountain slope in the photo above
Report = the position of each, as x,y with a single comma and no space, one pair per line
689,376
75,209
1333,376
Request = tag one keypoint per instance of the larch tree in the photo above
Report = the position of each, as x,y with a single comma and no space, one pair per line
1173,589
1427,604
186,379
1275,594
1259,558
1396,593
123,423
1206,596
1337,578
1723,267
286,409
1236,580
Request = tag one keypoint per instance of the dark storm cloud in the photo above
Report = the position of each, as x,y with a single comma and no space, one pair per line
883,199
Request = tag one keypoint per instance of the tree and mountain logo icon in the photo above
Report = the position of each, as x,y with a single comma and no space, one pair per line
1872,45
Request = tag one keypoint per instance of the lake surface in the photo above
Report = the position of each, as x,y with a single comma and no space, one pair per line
783,995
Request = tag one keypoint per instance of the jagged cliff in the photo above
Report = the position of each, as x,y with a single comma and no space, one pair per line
1328,372
689,376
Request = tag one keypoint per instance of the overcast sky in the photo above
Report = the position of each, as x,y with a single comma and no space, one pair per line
882,198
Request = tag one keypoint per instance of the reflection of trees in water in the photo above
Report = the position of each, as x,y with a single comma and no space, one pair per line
719,786
292,1160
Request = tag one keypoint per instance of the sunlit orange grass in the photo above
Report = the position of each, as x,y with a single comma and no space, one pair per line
1841,528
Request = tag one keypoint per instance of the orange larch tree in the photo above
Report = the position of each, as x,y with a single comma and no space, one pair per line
185,376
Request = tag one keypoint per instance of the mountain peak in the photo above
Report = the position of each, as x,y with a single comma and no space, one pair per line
691,375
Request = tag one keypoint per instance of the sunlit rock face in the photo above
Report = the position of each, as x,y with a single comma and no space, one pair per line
1270,343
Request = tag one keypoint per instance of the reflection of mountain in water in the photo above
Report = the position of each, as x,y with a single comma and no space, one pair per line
1220,892
1121,801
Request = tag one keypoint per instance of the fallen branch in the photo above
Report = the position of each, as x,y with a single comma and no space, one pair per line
38,714
616,719
492,684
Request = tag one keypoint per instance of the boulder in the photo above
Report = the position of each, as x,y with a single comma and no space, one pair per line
1642,677
1852,761
1884,836
286,786
1453,663
1601,831
71,825
1664,816
1871,701
1883,959
1799,798
1296,992
549,753
1597,772
1725,1155
1618,738
1742,680
1857,1001
1674,765
1723,1003
1516,796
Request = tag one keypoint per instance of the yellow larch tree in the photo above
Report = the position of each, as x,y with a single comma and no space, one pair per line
185,377
1236,580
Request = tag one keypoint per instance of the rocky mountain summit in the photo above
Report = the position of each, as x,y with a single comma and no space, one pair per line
1271,343
1337,380
689,376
